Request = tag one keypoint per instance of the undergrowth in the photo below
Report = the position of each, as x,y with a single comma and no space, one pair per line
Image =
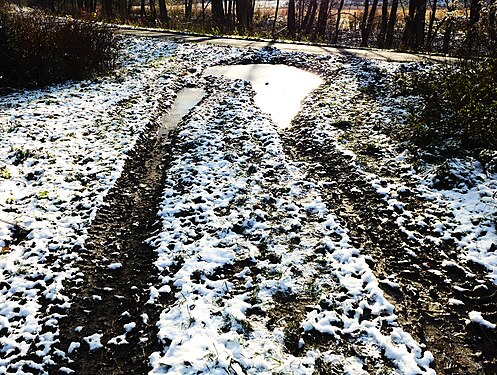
38,49
456,109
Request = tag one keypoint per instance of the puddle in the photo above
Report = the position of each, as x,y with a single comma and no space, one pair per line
187,99
279,89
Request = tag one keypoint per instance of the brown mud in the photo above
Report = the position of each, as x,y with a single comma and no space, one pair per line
106,298
426,281
426,284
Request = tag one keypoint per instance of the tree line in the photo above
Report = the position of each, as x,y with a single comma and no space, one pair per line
446,26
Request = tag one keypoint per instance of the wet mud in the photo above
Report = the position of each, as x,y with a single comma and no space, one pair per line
112,292
425,282
117,271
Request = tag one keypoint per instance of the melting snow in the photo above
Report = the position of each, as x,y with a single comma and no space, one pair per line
242,227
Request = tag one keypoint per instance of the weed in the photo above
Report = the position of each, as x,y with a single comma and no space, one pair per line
372,148
20,155
4,172
323,367
387,370
293,333
42,194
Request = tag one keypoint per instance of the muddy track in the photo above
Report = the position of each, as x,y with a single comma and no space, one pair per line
117,271
426,284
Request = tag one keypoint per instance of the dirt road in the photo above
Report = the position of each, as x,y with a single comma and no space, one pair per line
287,46
231,246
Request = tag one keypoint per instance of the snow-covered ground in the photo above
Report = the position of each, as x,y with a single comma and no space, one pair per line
233,196
461,193
61,149
246,234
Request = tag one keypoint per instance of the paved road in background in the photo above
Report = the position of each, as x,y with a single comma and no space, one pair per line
285,46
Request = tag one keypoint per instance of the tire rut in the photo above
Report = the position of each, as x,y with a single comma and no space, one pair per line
425,282
117,272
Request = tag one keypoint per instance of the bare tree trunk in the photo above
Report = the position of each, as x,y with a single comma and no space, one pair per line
229,15
420,21
447,36
164,19
291,27
410,28
310,17
384,23
251,12
188,9
301,15
275,18
414,32
369,26
474,12
153,11
474,17
364,20
430,25
218,14
107,5
50,5
130,7
392,20
337,24
123,9
242,15
143,14
322,18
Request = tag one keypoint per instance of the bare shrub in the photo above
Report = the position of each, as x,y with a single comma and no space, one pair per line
457,108
38,49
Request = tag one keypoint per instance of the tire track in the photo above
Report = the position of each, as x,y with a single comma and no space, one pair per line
424,281
113,292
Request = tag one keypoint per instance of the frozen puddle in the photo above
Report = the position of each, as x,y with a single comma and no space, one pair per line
187,98
279,89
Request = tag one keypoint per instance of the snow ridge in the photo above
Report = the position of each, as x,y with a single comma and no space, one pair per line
243,232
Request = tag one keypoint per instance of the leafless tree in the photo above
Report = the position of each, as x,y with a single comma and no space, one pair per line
291,25
320,30
384,24
164,19
337,23
429,36
218,13
367,22
188,9
414,32
392,20
244,15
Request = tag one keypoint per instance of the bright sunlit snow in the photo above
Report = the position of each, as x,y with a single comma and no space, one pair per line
261,276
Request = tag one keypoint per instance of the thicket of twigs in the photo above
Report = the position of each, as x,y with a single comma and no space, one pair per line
38,49
456,109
